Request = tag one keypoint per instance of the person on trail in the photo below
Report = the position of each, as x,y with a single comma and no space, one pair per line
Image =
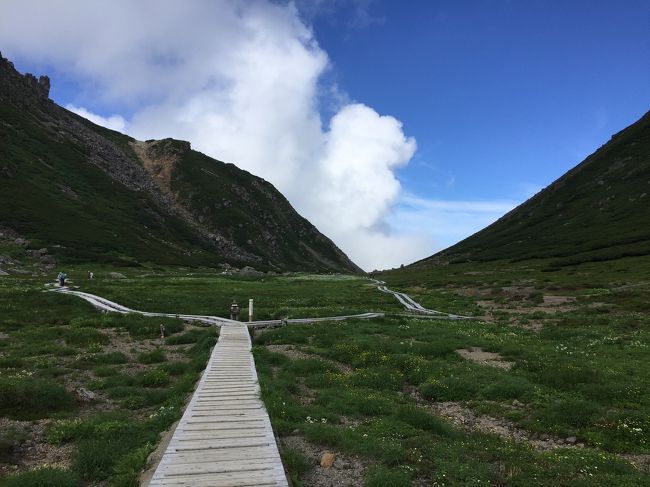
90,275
61,278
234,311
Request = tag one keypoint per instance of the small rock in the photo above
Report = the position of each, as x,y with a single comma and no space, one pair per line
48,259
3,273
85,395
327,460
571,440
544,436
295,432
516,403
116,275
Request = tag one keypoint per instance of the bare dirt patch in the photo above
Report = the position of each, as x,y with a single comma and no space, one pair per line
35,449
534,325
160,167
467,419
479,356
558,300
346,471
641,461
471,292
463,417
305,395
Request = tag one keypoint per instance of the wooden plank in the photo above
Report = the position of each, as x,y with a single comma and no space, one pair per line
224,438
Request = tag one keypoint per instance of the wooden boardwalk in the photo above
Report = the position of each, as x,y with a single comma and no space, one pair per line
224,438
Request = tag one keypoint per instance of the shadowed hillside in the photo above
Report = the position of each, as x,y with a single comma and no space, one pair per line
93,194
597,211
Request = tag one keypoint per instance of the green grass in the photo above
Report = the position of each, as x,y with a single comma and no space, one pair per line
296,464
154,357
27,398
584,374
274,297
50,342
43,477
595,394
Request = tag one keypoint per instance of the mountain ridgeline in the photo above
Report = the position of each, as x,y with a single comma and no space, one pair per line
91,194
598,211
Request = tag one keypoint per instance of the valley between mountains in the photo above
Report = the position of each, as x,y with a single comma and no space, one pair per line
534,373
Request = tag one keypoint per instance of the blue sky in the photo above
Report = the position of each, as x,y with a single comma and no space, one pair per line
398,128
501,96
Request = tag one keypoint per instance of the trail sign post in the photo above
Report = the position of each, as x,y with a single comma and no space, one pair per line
250,310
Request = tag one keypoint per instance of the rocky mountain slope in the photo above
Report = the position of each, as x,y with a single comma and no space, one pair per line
599,210
93,194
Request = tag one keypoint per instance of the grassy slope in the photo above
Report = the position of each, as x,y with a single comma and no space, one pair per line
51,194
105,222
256,216
597,211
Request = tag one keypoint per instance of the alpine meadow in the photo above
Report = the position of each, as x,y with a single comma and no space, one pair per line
169,319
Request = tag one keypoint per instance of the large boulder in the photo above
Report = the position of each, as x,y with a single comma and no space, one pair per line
249,272
116,275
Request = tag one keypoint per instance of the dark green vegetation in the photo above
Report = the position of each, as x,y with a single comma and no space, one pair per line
597,211
562,284
391,393
382,390
90,194
53,348
274,297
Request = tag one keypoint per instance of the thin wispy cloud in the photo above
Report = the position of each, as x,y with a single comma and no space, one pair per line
113,122
443,223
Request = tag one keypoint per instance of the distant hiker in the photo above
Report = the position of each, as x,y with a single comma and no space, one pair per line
90,275
234,311
61,278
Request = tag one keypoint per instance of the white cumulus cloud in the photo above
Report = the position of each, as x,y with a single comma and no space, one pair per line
113,122
244,82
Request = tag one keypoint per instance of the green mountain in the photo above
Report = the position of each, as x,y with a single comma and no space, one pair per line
599,210
91,194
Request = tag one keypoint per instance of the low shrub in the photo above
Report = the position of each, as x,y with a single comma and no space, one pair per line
83,337
30,398
384,477
153,357
43,477
153,378
296,464
420,419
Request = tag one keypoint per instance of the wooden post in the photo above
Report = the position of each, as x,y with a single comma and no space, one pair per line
250,310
